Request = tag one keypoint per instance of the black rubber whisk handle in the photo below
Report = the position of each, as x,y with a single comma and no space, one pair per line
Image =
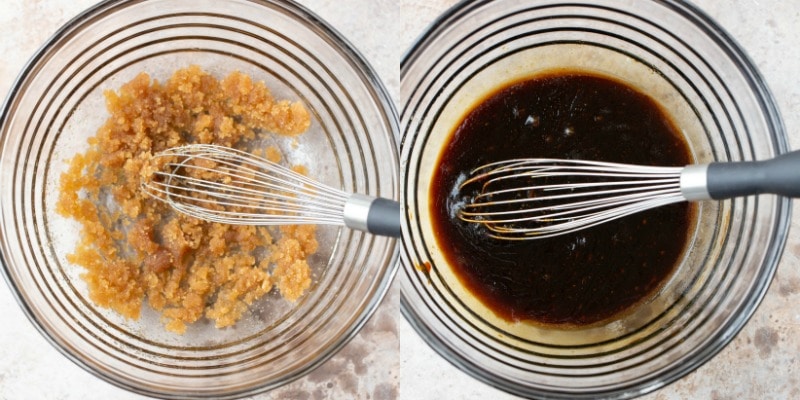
780,175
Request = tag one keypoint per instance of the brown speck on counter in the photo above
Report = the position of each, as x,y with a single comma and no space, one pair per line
716,395
789,287
765,339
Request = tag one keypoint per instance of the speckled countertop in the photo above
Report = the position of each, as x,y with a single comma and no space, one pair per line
761,363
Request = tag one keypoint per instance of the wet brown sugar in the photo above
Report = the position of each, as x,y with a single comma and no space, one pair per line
135,248
585,277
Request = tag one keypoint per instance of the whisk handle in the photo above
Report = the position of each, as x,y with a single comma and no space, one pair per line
384,218
372,214
780,175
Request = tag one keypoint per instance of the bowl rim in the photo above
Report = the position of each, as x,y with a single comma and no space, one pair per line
384,102
724,336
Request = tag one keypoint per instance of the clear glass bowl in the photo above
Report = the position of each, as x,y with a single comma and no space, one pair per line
57,103
667,49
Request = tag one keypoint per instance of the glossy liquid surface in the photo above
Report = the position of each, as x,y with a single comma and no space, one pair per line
577,279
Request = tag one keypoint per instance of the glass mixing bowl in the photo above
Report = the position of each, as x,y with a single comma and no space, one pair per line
688,64
57,103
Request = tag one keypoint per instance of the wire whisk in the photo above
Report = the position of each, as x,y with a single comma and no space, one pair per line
525,199
225,185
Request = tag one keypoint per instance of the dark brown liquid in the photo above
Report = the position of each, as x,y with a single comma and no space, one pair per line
580,278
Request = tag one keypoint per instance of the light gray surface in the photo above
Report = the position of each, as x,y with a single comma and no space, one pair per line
761,363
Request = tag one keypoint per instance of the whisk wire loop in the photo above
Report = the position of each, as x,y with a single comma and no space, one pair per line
235,187
537,198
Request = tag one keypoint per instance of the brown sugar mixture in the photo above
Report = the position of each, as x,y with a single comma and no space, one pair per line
585,277
135,247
